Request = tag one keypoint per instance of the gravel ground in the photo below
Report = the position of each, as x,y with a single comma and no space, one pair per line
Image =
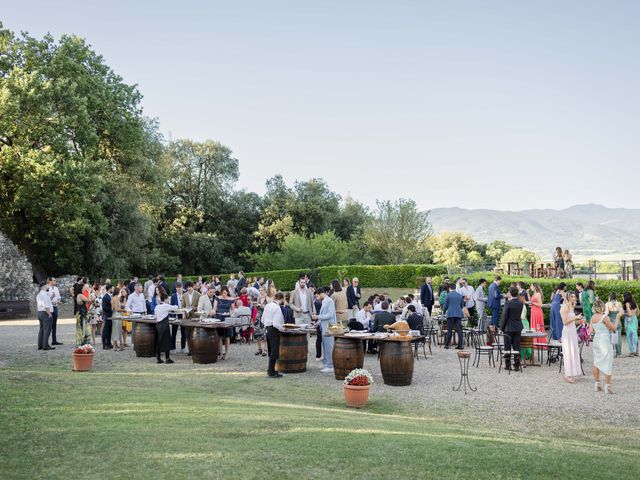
531,400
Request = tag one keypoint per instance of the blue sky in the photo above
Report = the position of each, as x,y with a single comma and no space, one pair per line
492,104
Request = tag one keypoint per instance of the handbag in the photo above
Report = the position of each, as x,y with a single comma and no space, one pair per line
613,338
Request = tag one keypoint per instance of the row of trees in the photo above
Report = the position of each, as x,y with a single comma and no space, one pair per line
90,185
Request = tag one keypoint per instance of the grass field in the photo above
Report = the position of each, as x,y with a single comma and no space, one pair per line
136,420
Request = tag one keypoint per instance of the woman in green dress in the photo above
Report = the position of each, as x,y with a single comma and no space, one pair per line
614,307
84,299
525,353
587,299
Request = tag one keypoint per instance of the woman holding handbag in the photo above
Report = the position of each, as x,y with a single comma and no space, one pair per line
613,306
604,336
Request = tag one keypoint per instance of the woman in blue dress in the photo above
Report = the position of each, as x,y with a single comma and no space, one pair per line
555,321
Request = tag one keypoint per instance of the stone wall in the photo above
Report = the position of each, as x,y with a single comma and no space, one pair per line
16,276
16,273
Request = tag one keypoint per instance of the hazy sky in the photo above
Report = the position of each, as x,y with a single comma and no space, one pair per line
493,104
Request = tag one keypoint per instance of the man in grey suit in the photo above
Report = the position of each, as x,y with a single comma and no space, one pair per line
301,302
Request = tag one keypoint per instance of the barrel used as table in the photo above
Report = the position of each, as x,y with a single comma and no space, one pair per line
205,344
396,362
144,338
293,352
347,355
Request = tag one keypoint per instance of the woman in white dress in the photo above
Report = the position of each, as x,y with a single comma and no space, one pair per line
570,348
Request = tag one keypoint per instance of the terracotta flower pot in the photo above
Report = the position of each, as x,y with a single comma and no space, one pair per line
82,361
355,395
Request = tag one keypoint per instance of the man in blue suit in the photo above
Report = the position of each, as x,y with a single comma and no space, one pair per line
107,314
494,300
426,295
453,306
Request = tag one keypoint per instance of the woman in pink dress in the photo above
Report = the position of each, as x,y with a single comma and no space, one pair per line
570,348
537,317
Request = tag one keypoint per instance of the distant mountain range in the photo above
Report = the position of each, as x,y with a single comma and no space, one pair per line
588,231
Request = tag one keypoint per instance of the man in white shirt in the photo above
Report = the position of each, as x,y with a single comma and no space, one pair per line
364,315
136,302
145,289
54,294
45,313
468,294
273,321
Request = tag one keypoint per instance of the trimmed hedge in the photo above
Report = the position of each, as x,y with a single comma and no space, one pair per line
548,285
370,276
378,276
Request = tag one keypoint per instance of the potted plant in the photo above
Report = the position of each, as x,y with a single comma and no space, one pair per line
356,387
83,358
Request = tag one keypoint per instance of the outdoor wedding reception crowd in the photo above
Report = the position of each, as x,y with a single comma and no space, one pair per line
483,318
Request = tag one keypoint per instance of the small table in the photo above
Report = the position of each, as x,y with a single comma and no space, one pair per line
463,358
526,341
294,348
204,339
143,334
348,354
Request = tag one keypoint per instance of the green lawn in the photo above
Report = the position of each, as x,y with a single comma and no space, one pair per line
136,420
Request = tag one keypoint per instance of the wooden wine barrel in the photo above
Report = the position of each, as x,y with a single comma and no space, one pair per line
293,353
144,339
396,362
347,355
204,344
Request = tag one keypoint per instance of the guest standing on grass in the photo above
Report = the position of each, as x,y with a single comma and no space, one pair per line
453,306
163,332
495,301
481,304
326,318
54,293
273,321
614,307
570,347
601,327
45,317
427,299
630,311
107,315
555,319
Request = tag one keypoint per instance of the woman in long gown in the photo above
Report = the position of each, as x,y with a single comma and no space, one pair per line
84,298
525,353
631,323
570,348
537,316
222,309
601,326
587,298
555,321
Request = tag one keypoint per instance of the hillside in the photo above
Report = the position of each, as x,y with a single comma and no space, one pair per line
587,230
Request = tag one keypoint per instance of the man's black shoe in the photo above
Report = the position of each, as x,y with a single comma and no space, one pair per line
49,348
275,375
56,343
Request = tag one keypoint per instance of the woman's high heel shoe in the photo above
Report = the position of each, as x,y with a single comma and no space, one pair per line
607,389
597,386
